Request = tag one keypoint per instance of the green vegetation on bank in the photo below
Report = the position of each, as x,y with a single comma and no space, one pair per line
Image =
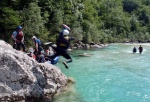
90,20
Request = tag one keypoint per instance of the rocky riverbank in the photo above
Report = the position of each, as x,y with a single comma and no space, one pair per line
22,79
81,45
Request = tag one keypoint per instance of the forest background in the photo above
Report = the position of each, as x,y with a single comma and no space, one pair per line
98,21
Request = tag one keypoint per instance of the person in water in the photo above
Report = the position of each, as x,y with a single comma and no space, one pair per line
63,42
140,49
134,49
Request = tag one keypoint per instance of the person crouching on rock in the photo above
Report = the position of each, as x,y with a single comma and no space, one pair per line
31,53
38,49
63,42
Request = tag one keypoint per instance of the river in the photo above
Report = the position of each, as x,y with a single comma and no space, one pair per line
110,74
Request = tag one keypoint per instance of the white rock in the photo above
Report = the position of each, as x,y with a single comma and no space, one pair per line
22,77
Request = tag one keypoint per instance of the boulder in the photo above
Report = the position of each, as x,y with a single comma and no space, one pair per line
5,45
22,78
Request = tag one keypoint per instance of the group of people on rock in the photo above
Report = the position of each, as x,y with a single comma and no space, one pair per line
41,55
140,49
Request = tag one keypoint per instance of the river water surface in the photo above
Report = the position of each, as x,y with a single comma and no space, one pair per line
110,74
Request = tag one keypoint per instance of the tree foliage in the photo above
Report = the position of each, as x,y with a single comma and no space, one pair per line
98,21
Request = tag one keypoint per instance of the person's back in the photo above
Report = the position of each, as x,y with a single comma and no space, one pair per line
38,41
38,49
134,50
63,42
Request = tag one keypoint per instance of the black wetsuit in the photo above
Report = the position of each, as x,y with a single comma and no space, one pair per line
134,50
140,49
61,49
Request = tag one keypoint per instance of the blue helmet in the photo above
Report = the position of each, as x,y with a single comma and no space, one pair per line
19,27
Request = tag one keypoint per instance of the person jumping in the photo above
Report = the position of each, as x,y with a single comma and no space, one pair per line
63,42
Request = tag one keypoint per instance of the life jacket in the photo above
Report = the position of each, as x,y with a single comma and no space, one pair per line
62,43
19,36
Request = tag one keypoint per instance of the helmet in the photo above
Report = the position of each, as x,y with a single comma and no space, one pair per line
65,32
19,27
34,37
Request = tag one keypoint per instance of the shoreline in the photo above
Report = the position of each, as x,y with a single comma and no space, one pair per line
138,44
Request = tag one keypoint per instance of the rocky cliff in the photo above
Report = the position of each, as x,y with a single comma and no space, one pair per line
23,79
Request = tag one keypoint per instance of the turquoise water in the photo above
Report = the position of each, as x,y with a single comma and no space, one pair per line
111,74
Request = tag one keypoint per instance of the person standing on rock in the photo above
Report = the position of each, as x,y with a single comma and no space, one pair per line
38,49
18,38
63,42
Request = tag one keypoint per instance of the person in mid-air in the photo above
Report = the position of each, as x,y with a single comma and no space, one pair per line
140,49
18,38
63,42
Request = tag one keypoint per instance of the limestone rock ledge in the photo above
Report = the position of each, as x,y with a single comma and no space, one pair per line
23,79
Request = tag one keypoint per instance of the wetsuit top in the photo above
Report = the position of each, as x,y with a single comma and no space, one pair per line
62,43
141,49
39,45
134,49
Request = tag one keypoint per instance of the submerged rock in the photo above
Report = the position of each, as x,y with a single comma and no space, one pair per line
22,78
85,54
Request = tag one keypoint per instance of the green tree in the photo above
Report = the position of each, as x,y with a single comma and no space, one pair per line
134,23
89,20
32,21
144,15
130,5
9,20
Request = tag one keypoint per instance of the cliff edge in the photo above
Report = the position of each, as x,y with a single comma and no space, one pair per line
22,78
